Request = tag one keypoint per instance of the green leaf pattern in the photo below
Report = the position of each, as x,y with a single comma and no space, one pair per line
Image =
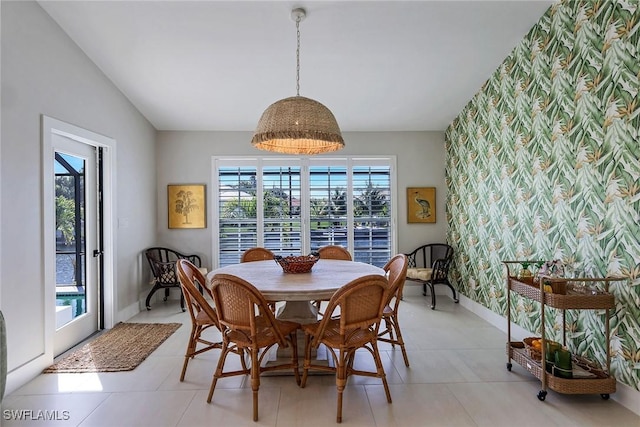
544,163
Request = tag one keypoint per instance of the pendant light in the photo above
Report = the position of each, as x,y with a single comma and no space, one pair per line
297,125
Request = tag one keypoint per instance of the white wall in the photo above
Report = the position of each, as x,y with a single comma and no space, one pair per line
44,72
185,157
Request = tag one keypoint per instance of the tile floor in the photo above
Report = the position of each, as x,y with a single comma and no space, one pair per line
457,378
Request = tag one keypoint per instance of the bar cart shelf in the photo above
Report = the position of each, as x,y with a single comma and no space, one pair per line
591,378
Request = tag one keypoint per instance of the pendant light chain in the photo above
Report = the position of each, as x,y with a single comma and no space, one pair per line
296,124
298,56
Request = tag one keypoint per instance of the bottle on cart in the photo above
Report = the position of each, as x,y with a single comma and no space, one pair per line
525,275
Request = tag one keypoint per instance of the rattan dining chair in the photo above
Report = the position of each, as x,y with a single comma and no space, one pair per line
256,254
203,315
334,252
259,254
360,304
396,269
331,252
248,324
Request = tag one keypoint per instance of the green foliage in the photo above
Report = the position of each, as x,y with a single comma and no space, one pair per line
544,163
65,186
338,203
65,207
318,208
373,202
65,218
241,209
276,204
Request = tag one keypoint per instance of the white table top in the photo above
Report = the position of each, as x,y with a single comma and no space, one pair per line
326,277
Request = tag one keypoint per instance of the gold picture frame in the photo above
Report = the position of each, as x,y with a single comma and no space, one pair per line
421,204
187,206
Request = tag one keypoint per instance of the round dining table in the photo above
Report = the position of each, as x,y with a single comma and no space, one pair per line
298,290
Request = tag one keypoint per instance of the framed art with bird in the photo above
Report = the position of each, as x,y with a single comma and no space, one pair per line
421,204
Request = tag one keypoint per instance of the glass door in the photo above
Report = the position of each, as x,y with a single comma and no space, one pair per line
76,281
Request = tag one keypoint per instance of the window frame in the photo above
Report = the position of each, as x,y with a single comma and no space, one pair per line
305,163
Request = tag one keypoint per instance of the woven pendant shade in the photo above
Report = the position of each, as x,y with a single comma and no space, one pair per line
297,125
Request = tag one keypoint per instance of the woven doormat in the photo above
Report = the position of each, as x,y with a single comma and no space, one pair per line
122,348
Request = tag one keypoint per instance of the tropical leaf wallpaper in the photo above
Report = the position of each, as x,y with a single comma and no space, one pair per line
544,163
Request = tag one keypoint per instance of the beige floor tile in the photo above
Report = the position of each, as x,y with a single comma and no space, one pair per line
146,377
430,338
158,409
436,366
231,407
502,403
316,405
457,377
200,373
589,410
63,409
418,405
60,383
486,364
483,337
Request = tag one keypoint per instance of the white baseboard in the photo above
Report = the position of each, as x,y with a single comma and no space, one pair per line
627,397
500,322
130,311
25,373
624,395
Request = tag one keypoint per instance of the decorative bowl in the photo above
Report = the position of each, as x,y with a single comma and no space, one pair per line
297,264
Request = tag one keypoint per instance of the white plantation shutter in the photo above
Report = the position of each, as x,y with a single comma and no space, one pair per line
237,226
372,213
295,206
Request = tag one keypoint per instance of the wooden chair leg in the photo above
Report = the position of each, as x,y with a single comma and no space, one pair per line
341,382
389,328
307,360
400,340
293,337
255,381
218,372
191,348
380,370
243,362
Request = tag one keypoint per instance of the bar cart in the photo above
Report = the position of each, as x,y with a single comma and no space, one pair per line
587,376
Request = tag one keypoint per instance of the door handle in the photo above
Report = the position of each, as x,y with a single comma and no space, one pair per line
97,253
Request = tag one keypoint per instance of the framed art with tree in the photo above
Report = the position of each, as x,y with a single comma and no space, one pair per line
187,206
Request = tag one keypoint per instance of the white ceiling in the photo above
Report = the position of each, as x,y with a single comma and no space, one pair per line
378,65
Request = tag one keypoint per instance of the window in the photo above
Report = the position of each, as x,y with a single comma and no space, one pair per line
372,214
238,224
282,222
295,206
328,206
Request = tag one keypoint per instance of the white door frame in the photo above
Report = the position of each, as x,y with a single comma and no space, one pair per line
51,126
